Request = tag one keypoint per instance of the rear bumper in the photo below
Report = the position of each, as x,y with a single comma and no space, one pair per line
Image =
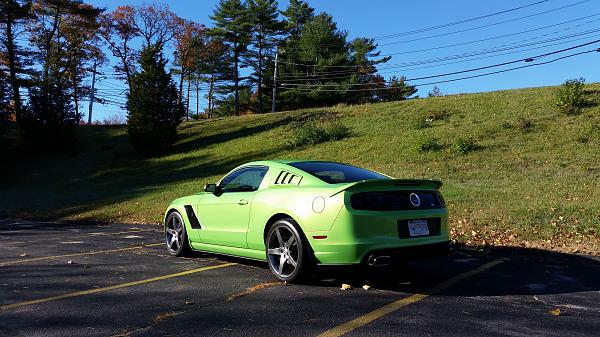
362,253
411,253
356,236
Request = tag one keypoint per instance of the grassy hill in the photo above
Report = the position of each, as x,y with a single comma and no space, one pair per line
533,179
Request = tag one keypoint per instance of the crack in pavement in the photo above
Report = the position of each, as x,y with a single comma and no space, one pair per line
165,316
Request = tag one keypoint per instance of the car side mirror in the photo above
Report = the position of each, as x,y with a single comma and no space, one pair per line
211,188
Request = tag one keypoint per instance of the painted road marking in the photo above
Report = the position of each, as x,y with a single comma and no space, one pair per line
113,287
378,313
80,236
8,263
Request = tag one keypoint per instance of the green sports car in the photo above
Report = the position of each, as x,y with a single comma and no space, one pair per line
297,214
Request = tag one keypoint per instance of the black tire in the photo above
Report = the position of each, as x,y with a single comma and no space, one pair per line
298,251
174,225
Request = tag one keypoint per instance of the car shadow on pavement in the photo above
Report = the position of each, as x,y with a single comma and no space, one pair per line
524,271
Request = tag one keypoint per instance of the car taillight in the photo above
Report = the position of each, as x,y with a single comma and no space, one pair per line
396,200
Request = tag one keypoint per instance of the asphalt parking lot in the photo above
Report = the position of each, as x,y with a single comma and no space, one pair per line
74,279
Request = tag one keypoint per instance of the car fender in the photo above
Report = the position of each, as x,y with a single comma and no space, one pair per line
298,205
179,206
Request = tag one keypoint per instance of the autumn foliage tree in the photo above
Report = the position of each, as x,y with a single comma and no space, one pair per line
212,65
118,31
189,40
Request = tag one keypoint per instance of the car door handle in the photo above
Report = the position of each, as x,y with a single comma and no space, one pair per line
243,202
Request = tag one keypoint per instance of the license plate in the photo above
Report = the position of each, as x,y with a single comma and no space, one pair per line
418,228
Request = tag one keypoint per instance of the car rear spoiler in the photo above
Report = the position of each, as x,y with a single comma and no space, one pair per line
375,183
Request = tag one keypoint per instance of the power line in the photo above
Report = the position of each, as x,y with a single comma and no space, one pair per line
457,79
421,30
351,72
511,34
486,51
467,29
478,52
527,59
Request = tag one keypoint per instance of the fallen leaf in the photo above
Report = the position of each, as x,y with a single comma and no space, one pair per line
366,287
555,312
346,286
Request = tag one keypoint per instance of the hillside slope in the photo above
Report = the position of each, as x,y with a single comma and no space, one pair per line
533,181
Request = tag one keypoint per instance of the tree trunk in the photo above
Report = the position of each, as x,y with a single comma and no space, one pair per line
180,100
187,102
210,93
259,89
197,98
236,80
12,67
76,101
49,46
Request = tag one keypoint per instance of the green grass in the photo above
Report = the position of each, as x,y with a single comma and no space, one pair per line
533,185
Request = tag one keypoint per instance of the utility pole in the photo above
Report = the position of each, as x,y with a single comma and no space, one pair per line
92,94
275,81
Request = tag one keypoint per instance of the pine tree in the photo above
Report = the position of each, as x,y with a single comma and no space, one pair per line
397,90
364,59
266,26
297,15
320,47
153,108
232,26
435,92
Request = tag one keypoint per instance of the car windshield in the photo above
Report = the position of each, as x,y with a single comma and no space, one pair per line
334,173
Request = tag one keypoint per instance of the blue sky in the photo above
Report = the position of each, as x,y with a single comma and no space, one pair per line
377,18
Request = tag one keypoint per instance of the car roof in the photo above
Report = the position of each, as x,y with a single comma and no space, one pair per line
288,161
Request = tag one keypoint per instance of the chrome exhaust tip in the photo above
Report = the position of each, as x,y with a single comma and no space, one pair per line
379,261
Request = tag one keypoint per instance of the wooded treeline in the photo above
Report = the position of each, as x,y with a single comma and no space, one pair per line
50,50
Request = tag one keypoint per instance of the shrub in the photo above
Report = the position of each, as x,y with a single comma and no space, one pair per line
318,131
464,145
524,124
570,97
429,144
438,115
424,120
420,123
506,125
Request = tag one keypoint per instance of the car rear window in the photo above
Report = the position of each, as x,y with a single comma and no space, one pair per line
334,173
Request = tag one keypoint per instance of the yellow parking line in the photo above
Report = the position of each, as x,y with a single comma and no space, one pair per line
378,313
118,233
83,235
113,287
8,263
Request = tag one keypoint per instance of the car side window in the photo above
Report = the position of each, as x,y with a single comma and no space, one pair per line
246,179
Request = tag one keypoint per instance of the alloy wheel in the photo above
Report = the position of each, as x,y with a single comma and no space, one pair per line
283,251
174,235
